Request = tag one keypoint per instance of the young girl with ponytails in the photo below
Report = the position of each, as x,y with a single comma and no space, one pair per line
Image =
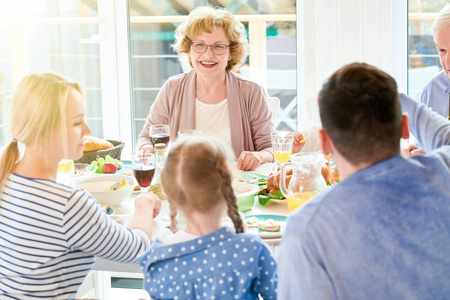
205,260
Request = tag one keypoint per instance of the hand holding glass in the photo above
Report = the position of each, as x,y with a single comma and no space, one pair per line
144,165
159,134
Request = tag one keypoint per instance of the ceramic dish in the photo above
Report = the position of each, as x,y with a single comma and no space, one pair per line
268,234
100,186
279,201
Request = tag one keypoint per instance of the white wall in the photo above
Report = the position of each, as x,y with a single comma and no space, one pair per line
332,33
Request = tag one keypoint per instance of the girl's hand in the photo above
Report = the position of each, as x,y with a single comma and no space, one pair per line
148,201
299,142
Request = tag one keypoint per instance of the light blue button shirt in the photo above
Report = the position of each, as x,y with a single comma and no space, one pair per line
435,94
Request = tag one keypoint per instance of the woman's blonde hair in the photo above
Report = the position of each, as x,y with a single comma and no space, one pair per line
205,19
37,108
196,177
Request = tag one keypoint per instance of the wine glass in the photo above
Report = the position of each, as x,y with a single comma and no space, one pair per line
144,165
159,134
282,142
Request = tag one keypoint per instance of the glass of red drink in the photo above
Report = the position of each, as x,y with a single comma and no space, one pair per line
144,165
159,134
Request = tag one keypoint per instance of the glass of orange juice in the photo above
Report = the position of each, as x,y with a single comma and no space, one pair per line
282,142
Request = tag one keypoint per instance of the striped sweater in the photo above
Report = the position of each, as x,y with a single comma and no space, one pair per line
49,234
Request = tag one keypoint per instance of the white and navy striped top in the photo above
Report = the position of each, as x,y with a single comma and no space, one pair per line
49,234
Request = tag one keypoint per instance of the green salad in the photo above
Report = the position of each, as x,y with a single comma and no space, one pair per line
261,180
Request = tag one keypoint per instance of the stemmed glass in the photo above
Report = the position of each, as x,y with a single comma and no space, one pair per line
144,165
159,134
282,142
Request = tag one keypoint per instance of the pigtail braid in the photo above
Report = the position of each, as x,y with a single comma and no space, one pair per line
173,217
228,194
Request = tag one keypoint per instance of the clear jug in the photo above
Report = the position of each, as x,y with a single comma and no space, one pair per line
306,180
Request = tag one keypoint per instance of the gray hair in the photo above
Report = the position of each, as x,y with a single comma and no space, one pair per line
442,20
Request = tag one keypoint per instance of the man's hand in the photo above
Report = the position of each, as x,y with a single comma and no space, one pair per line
411,150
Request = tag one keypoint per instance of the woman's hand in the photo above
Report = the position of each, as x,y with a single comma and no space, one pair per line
248,161
299,142
147,149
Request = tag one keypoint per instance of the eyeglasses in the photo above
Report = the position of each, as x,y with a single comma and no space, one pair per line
217,49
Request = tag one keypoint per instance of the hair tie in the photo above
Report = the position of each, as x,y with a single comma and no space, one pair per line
14,141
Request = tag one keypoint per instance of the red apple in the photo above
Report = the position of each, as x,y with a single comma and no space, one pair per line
109,168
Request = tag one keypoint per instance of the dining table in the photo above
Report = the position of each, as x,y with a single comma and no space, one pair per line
103,270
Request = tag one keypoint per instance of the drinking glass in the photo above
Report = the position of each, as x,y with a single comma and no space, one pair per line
282,142
159,134
144,165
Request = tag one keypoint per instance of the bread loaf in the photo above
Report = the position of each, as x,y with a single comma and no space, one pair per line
95,144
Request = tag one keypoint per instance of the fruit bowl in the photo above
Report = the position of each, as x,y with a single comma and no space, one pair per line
245,195
98,185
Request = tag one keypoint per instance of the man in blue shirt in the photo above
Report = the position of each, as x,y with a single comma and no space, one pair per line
436,92
383,232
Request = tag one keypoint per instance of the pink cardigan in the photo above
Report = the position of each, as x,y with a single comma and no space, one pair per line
250,116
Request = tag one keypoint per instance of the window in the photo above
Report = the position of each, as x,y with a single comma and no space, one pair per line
423,58
90,42
50,35
271,27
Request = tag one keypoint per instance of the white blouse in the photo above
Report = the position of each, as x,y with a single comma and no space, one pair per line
213,120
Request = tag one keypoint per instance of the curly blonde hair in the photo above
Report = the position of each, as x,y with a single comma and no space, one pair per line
205,19
196,176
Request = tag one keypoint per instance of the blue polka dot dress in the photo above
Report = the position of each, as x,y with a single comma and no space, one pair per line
220,265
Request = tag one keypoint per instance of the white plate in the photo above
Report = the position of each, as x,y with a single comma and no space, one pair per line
279,201
268,234
265,169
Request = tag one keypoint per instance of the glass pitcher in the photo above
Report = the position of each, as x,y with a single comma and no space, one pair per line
306,180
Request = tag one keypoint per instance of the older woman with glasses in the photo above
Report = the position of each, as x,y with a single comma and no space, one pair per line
211,98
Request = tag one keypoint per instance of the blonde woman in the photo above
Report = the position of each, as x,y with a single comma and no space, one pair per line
212,98
49,232
203,259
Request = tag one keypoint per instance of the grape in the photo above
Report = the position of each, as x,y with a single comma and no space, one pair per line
99,162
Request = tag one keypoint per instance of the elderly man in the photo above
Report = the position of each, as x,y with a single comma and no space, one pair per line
436,92
383,232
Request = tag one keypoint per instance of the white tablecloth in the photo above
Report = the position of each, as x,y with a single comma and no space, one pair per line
124,212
